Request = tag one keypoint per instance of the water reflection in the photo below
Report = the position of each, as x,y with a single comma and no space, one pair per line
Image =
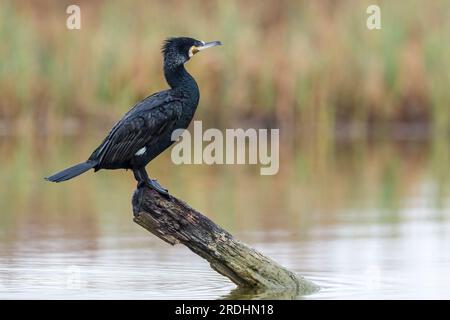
361,219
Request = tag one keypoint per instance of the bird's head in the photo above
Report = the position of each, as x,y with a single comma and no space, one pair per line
179,50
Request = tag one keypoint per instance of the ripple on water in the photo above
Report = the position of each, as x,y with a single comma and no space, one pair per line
375,264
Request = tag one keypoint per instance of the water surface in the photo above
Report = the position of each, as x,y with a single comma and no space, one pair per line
362,220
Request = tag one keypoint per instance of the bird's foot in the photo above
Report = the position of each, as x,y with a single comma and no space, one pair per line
154,184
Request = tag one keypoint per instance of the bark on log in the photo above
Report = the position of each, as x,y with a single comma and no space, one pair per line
174,221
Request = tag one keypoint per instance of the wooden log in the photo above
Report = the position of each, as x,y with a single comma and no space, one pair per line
174,221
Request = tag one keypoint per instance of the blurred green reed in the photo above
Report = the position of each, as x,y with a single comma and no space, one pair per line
369,183
312,64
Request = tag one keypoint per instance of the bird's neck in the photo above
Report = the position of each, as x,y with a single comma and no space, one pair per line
185,86
178,77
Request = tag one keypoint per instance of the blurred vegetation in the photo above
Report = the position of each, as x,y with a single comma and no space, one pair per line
301,64
370,183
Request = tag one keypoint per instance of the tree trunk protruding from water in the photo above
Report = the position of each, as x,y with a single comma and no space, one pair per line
174,221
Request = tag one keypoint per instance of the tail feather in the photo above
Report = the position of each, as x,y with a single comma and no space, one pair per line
72,172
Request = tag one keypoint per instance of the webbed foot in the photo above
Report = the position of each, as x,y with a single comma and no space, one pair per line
154,184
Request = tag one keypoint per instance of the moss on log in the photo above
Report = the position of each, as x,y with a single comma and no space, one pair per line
174,221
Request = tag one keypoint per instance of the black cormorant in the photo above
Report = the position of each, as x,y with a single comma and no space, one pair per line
145,131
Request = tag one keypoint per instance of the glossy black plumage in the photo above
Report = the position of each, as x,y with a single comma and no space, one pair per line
145,131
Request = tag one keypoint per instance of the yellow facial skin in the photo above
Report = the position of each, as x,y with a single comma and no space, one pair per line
193,50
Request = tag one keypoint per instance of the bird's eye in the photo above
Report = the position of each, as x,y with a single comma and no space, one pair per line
193,50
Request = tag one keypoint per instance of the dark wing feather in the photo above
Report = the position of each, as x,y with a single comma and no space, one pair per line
140,127
127,140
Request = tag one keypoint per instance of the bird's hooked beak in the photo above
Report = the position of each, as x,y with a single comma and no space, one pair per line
194,49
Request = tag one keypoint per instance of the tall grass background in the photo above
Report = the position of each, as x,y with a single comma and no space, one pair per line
308,65
310,68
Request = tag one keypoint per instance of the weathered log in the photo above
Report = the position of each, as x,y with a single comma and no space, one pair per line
174,221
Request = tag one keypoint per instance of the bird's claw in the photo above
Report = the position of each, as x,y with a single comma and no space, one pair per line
154,184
